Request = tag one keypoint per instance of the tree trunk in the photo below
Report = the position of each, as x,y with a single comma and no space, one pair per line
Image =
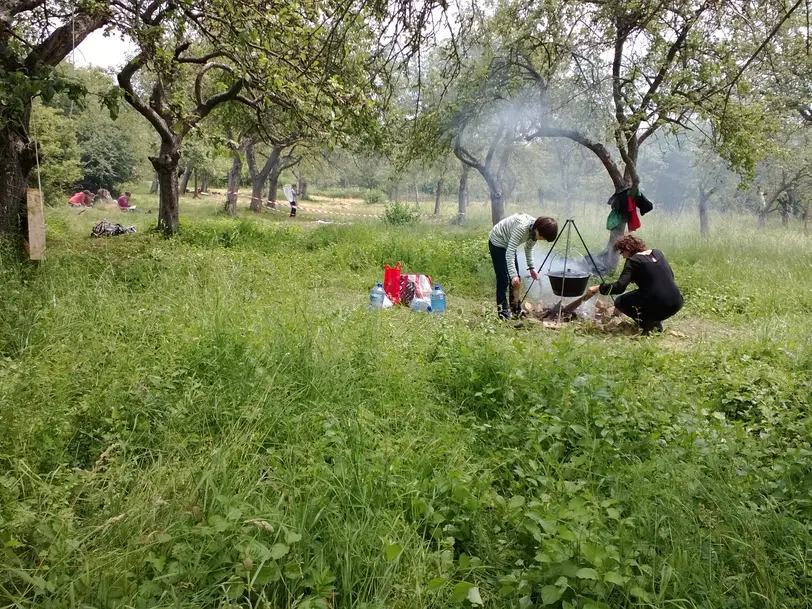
257,186
273,186
497,205
154,186
184,181
302,188
234,175
462,194
18,160
416,197
196,191
806,219
785,212
166,164
437,197
204,186
704,231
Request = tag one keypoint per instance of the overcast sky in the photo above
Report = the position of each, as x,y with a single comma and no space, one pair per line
103,51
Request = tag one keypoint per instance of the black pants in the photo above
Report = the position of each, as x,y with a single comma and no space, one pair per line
645,309
293,209
503,282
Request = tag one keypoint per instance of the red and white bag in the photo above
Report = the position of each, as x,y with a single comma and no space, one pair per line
413,285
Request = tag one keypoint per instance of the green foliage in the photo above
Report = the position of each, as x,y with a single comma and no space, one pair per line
374,197
108,155
214,421
59,153
398,214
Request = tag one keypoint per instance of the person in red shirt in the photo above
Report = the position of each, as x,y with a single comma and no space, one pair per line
124,202
81,199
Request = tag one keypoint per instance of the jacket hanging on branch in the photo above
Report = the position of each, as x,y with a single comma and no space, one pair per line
625,206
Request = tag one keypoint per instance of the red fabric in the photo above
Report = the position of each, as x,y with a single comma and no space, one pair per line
634,219
391,281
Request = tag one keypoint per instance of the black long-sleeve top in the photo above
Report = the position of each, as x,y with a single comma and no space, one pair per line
653,276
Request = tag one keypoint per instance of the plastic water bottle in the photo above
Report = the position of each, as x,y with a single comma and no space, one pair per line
419,306
438,300
376,297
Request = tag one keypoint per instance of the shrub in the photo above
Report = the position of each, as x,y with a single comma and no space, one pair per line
399,214
374,197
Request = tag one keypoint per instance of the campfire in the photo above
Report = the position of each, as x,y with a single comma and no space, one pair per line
602,314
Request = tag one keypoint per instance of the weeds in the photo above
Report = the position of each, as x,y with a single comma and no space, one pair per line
217,420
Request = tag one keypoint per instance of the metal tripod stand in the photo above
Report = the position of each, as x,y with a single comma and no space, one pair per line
568,226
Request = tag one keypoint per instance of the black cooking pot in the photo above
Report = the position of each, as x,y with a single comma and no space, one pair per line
571,285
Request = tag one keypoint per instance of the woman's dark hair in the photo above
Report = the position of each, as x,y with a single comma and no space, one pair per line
546,227
630,245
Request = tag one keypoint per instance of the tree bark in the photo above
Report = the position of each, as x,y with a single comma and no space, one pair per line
273,186
196,191
437,197
497,204
204,186
462,194
184,181
302,188
704,231
416,196
18,159
234,175
166,164
154,186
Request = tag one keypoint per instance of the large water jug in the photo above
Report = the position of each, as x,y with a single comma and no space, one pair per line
438,300
376,297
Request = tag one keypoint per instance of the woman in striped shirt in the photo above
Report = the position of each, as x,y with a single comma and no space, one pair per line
503,240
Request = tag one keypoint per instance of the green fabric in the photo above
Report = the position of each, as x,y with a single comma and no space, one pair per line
614,220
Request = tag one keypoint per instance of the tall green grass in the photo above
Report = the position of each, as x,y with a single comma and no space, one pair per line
217,420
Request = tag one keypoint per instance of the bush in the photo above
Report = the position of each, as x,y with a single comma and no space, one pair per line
374,196
399,214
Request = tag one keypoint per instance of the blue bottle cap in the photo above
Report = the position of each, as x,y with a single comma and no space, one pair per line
428,309
380,285
437,286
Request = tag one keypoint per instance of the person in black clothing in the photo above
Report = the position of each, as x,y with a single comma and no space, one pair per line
657,296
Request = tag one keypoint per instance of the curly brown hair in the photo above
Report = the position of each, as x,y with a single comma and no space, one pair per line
629,244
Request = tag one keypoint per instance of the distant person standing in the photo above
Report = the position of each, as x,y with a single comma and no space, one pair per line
503,240
124,202
290,195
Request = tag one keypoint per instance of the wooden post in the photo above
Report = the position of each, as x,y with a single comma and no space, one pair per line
35,245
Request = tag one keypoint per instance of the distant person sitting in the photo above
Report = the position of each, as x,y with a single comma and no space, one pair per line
81,199
124,202
657,296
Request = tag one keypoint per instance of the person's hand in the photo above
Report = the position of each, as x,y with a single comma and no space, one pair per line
515,282
534,274
594,290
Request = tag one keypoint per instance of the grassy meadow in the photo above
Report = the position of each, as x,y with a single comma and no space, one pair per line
218,421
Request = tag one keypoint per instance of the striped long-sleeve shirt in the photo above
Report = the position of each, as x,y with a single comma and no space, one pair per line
510,233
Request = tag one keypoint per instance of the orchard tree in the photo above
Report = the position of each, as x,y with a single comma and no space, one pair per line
35,37
635,67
